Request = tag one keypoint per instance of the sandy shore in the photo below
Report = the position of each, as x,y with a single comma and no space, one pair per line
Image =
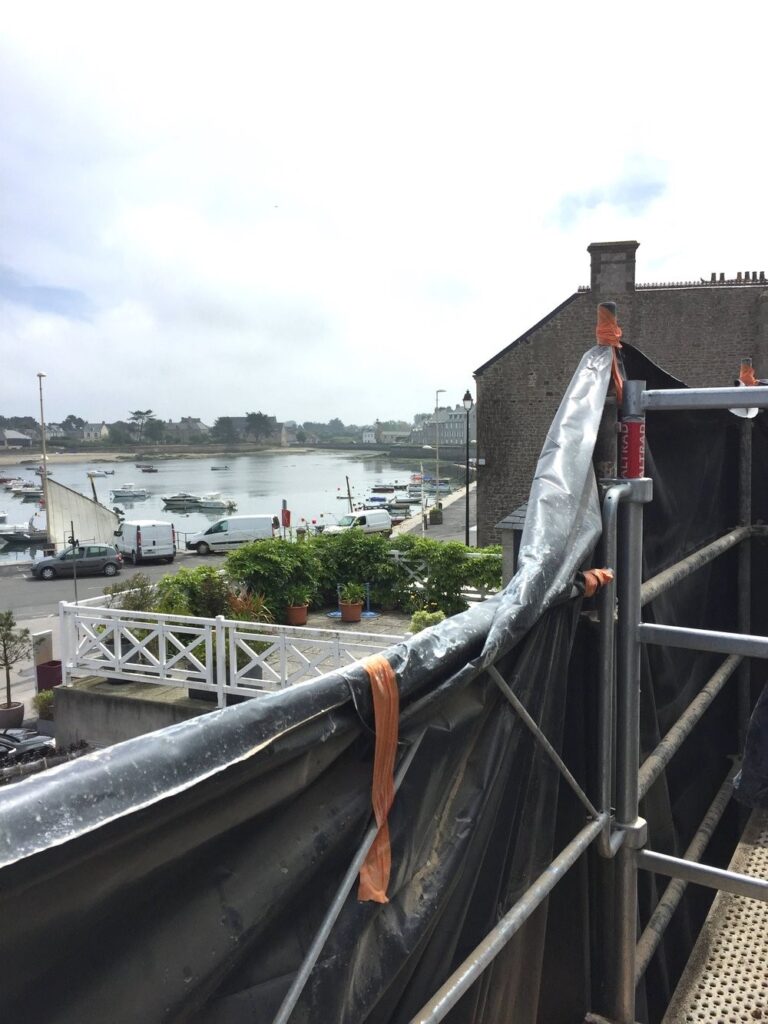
31,458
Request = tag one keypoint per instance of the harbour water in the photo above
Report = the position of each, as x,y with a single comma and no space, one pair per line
313,483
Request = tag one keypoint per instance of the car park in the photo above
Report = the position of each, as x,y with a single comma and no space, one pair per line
86,560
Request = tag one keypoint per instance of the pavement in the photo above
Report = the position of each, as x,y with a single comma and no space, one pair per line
23,676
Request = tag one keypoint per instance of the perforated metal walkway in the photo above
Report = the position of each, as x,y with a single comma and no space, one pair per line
726,980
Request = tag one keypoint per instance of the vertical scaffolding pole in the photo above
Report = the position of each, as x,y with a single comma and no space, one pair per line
745,574
629,578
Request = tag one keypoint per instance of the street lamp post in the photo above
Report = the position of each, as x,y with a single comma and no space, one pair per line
440,391
45,456
468,403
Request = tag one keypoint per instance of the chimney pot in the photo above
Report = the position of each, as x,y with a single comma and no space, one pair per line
722,278
713,277
738,275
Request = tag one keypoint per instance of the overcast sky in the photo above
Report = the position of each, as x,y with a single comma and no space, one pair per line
333,209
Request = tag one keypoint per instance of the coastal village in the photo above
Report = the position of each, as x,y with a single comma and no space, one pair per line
294,615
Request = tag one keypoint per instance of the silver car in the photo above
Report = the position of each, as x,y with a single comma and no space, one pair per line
88,559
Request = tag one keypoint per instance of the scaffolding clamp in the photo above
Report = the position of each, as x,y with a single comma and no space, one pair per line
635,833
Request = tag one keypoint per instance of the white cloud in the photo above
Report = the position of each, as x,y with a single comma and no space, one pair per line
332,210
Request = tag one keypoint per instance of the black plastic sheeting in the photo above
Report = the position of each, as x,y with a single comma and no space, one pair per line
182,876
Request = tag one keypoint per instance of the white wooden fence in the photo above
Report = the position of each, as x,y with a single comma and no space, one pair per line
219,655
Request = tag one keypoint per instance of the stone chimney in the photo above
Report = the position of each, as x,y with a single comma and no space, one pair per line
613,267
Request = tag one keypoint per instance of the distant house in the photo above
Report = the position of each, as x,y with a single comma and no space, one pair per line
395,436
446,426
95,431
187,430
369,435
14,439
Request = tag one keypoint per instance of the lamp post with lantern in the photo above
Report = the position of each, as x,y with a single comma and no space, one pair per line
44,467
440,391
467,403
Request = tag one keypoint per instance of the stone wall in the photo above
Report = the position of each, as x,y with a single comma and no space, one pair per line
697,332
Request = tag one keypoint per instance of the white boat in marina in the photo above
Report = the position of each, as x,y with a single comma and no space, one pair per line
182,499
216,502
96,472
129,492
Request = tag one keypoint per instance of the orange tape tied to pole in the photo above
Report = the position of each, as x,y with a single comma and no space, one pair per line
747,375
609,333
594,579
374,874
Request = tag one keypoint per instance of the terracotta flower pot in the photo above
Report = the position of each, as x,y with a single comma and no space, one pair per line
351,612
11,715
296,614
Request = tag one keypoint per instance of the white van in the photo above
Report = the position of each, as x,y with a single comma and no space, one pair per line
232,531
371,520
138,540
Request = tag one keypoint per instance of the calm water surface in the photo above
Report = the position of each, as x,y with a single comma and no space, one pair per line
310,482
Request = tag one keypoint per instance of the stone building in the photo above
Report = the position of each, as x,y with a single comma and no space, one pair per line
697,330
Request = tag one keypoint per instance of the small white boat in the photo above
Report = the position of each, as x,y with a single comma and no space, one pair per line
129,492
183,499
215,501
96,472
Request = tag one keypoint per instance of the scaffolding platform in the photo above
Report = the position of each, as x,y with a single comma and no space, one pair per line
726,978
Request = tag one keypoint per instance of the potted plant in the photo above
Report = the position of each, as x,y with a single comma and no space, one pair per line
351,597
14,645
297,605
43,703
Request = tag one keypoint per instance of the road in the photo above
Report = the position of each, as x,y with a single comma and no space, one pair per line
29,598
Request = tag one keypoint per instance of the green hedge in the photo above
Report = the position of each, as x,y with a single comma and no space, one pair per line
274,568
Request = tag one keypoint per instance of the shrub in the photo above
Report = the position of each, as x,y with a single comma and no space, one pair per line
275,569
423,620
136,593
203,591
352,593
43,703
354,555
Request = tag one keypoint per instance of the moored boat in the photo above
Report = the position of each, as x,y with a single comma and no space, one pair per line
182,499
215,501
129,492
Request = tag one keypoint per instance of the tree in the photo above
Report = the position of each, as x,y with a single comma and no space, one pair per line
73,423
14,645
224,429
258,425
120,433
155,430
140,417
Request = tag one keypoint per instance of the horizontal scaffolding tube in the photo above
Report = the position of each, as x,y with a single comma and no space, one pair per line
704,874
667,905
657,761
484,954
706,398
663,581
703,640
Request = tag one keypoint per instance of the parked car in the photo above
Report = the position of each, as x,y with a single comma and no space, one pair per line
89,559
14,743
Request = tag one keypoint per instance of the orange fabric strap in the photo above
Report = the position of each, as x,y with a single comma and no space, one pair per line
747,375
374,874
609,333
594,579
